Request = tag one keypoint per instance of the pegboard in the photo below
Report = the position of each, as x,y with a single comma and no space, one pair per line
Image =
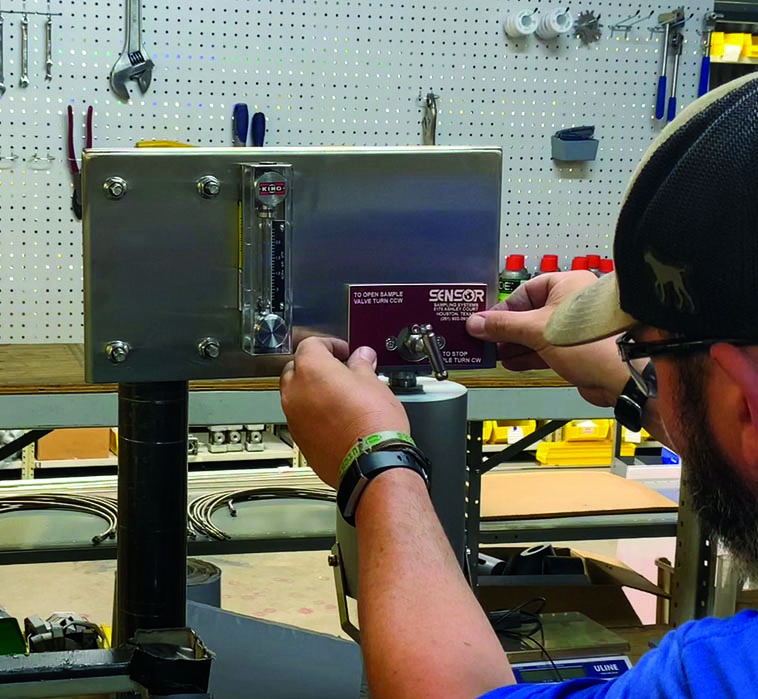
327,72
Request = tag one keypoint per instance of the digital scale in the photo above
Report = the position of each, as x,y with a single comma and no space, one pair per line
605,668
578,646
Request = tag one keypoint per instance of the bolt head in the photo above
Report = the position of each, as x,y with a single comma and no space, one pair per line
115,187
332,560
391,343
209,348
208,187
117,351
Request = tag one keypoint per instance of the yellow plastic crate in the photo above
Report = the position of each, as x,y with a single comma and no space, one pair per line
587,431
499,431
580,453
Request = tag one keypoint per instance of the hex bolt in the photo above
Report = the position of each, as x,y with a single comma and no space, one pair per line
209,348
115,187
333,560
117,351
208,187
391,343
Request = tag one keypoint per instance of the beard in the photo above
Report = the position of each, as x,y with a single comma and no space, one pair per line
725,503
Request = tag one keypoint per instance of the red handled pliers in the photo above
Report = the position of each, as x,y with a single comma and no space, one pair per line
73,165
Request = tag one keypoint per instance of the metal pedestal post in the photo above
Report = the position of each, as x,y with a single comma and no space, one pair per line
151,576
437,414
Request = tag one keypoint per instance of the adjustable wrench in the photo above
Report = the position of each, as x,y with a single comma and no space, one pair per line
2,53
134,63
24,81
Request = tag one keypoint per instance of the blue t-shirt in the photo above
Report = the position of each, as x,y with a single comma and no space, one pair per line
707,659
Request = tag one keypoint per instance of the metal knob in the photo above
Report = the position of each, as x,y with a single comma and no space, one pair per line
432,350
270,332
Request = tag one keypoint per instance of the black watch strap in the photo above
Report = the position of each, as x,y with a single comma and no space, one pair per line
629,406
369,466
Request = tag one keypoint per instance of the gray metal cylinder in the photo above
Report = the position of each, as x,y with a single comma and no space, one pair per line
437,414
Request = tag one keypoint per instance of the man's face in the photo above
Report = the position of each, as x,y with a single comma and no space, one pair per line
723,500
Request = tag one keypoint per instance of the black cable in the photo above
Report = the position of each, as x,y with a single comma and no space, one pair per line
201,509
529,624
104,508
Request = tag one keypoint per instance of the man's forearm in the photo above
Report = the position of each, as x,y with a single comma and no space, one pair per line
422,631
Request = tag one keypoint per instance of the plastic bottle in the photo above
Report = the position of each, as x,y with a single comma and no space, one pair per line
606,266
593,264
579,263
512,277
548,263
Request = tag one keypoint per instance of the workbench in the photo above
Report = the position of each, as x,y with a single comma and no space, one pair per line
42,386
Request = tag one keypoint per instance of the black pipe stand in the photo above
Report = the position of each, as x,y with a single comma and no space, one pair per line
151,577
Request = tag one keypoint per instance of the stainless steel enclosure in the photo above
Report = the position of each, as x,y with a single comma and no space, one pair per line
164,230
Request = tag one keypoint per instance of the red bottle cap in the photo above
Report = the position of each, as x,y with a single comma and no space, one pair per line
593,261
579,263
549,263
514,263
606,265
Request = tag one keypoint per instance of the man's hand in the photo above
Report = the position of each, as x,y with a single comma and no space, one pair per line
330,405
518,323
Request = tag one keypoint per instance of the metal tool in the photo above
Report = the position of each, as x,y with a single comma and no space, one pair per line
24,81
240,120
709,26
2,57
258,129
626,25
73,165
677,41
49,44
134,63
429,122
587,27
668,20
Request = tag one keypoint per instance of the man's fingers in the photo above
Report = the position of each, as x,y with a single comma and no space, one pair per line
362,361
520,328
520,358
317,346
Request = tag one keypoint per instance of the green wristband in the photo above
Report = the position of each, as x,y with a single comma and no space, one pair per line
371,443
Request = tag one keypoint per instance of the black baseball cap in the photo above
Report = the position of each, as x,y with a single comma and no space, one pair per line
686,243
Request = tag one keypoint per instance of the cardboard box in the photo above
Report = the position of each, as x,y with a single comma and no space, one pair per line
79,443
602,600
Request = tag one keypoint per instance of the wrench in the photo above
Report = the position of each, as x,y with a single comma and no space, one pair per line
134,63
24,81
49,46
2,68
677,40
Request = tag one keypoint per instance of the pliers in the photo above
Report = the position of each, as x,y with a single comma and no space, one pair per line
73,165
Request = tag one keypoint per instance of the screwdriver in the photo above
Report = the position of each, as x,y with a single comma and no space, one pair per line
258,128
239,124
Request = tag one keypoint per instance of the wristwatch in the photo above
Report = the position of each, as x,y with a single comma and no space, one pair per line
368,466
631,403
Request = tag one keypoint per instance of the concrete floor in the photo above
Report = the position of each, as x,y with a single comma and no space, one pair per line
293,588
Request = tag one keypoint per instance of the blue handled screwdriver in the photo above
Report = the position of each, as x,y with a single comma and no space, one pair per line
258,129
240,117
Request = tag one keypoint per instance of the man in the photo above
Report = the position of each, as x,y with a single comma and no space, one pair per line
686,298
